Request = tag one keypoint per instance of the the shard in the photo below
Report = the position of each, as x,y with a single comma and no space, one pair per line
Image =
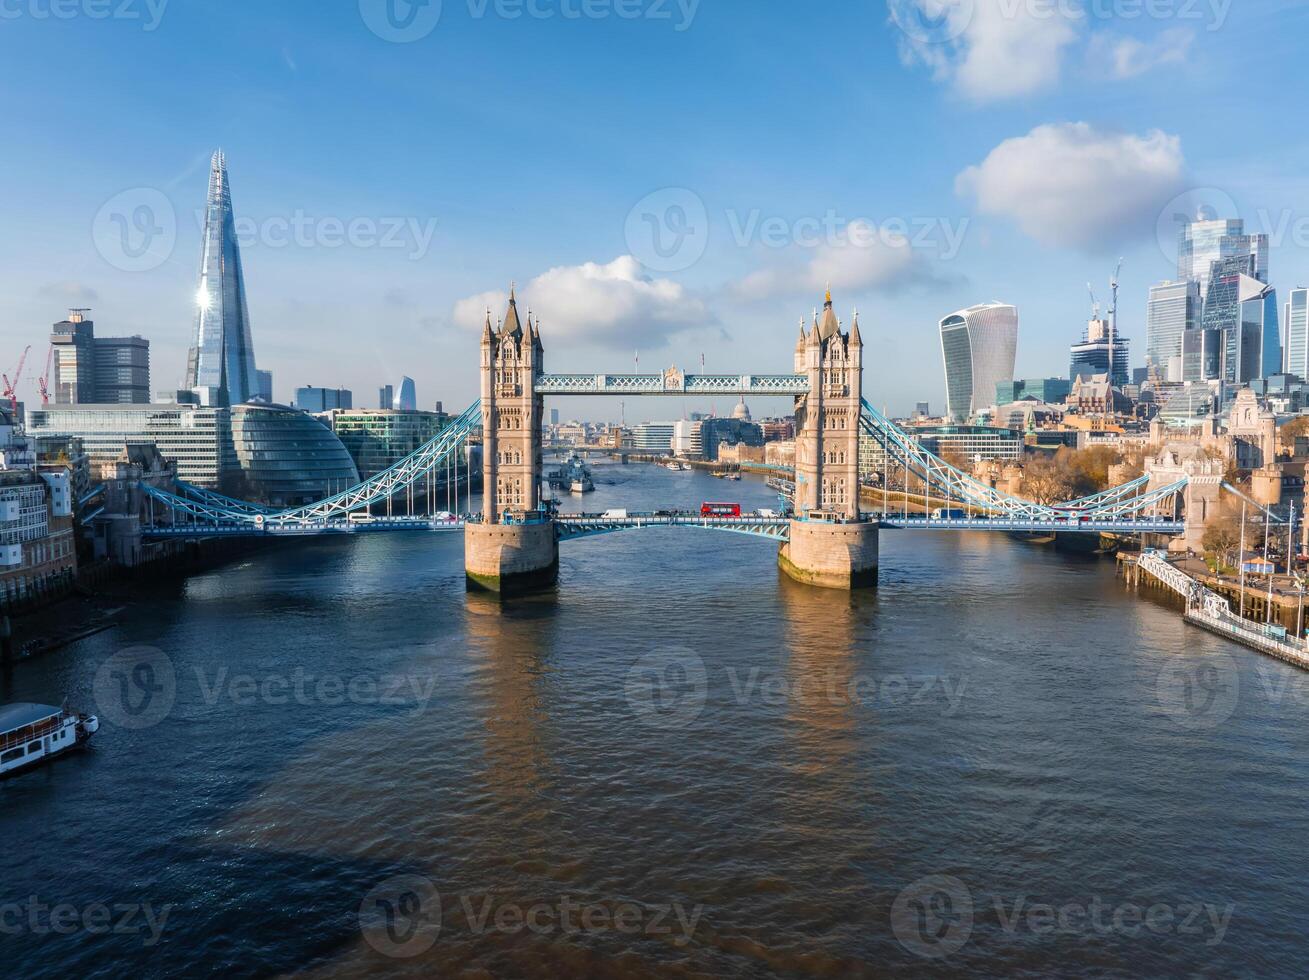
221,366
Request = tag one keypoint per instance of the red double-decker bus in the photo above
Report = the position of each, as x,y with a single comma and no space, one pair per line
711,509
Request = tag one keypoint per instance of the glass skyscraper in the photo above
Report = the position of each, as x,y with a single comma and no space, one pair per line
1091,356
1297,333
1244,310
221,365
1206,240
978,346
1174,308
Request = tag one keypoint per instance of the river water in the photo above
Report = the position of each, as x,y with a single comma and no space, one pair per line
331,758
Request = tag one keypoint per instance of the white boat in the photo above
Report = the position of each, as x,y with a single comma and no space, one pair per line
31,733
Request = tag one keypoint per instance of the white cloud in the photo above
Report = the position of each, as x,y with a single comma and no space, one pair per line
1127,57
614,305
68,290
863,256
988,49
1072,185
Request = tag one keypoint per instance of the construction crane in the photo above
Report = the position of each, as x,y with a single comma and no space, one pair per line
11,386
43,382
1095,303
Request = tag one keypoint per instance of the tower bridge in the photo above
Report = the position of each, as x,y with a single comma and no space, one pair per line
830,541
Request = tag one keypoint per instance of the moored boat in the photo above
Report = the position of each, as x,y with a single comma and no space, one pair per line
31,734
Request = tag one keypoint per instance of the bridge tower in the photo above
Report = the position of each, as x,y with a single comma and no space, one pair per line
514,547
830,544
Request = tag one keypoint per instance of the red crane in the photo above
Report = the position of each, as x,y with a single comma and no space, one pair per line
43,382
10,386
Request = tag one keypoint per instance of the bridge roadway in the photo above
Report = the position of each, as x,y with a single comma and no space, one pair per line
571,526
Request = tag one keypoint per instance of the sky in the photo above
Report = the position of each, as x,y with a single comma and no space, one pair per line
673,180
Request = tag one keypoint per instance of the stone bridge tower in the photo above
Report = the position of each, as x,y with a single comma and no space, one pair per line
511,416
830,545
514,547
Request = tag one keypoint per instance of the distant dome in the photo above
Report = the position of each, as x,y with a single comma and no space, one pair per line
741,411
288,457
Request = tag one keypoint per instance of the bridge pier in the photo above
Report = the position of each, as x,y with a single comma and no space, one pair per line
831,555
511,559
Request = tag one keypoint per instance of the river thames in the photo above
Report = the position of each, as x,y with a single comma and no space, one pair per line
331,758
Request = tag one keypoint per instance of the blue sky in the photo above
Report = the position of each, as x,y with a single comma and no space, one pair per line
989,149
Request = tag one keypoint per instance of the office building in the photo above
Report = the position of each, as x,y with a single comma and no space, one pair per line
554,414
736,431
38,555
311,399
264,384
1202,354
378,438
406,396
1049,390
287,457
970,442
86,369
221,364
688,439
1208,239
1244,310
1296,360
197,437
386,397
978,346
653,437
1093,354
1174,308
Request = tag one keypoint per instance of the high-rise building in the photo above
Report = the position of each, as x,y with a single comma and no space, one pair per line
406,397
1174,308
1209,239
1244,310
377,438
386,397
264,383
1296,360
87,369
311,399
1092,355
1202,354
222,362
979,346
554,414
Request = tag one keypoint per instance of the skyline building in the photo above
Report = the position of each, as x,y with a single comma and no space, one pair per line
264,383
406,396
311,399
221,364
979,347
1092,355
1296,360
1209,239
1174,308
88,370
1243,309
